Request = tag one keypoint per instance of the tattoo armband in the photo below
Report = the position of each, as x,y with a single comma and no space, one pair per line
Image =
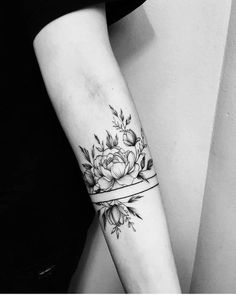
118,162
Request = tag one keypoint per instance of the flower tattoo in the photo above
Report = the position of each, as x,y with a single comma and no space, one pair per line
113,163
118,213
111,166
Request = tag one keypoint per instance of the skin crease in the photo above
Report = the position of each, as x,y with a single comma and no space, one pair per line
82,80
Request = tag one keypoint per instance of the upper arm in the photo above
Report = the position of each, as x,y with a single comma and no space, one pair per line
75,41
74,52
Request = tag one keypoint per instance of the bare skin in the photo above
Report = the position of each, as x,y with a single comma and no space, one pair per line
95,108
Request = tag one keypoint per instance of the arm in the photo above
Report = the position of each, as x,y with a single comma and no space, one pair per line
96,111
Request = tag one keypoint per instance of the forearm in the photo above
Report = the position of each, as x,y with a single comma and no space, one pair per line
96,111
127,199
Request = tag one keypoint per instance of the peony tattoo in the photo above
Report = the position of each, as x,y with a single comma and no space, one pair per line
114,163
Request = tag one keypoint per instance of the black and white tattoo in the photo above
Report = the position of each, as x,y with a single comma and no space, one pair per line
117,162
117,213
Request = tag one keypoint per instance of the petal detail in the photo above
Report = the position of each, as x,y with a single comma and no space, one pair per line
105,184
125,180
118,158
97,172
109,166
116,185
118,170
131,160
106,173
97,160
135,172
126,169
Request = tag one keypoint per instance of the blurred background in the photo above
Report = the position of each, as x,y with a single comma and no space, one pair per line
171,53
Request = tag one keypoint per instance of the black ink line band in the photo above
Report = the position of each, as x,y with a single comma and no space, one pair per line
130,195
115,189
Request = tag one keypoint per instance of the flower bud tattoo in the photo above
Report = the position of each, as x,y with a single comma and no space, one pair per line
130,138
115,163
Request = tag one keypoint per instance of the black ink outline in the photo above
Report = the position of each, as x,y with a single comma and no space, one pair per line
131,195
109,164
101,170
122,187
118,213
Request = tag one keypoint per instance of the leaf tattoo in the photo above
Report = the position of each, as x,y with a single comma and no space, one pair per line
121,115
97,139
134,199
117,160
87,166
93,152
149,164
85,153
142,163
114,112
117,214
134,212
128,120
